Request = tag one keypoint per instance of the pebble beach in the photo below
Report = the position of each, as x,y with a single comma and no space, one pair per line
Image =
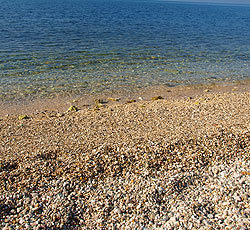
178,163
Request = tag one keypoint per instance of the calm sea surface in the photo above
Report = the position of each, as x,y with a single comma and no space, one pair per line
50,48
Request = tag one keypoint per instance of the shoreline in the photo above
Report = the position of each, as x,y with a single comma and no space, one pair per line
61,104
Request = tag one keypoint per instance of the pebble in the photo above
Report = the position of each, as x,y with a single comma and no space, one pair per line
165,166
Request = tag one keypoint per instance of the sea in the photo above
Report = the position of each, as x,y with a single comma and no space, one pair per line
51,48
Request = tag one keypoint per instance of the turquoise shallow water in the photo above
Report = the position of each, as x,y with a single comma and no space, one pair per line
74,47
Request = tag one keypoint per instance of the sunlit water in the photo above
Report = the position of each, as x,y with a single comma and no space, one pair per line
73,47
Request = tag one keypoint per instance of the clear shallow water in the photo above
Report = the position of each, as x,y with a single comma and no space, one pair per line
50,48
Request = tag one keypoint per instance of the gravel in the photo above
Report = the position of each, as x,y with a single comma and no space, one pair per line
164,164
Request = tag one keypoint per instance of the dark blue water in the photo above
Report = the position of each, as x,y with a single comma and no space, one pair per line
50,48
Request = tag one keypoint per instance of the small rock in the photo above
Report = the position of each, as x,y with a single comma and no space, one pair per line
99,101
72,108
130,101
113,99
23,117
99,105
59,114
156,98
173,219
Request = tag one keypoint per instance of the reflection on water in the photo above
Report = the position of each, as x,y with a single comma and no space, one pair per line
50,48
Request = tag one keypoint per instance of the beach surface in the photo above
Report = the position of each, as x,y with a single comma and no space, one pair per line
181,162
88,101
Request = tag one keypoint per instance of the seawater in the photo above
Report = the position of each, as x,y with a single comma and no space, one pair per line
73,47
